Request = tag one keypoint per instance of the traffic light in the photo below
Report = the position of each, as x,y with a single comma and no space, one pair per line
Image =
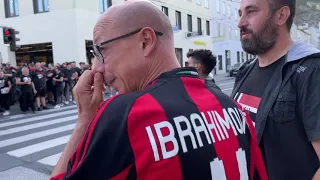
7,35
14,39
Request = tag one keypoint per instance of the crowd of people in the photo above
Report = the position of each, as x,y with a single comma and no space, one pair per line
35,85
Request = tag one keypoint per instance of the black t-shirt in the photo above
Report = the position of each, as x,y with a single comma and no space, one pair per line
253,87
58,76
4,82
68,73
39,78
78,70
26,87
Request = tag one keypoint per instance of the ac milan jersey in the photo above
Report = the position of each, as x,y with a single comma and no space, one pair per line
175,129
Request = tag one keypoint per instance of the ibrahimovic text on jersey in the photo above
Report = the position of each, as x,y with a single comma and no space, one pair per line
177,128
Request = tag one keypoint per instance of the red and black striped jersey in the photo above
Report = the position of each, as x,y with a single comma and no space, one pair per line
177,128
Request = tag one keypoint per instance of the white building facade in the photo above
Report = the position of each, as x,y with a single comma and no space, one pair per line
57,31
226,35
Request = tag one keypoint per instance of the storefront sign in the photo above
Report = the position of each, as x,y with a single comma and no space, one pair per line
200,43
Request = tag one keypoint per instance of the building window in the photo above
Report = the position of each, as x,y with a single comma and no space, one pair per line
208,27
219,29
218,6
220,62
206,4
236,14
189,23
104,5
41,6
165,10
236,33
224,8
198,2
242,56
179,55
11,8
199,26
178,19
229,10
238,56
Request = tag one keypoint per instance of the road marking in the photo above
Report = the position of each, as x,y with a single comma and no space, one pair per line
16,140
227,89
225,84
37,125
42,112
38,118
39,147
51,160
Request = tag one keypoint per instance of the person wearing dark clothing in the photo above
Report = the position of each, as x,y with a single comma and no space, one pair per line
204,61
57,81
27,91
50,88
39,77
69,79
280,89
5,93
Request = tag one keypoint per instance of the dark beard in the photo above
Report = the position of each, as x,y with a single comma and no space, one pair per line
262,41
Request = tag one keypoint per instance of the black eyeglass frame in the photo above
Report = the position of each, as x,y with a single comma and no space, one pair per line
96,47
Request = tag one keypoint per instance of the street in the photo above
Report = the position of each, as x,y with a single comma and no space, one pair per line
30,145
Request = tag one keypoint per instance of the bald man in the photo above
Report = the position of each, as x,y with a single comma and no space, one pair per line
163,123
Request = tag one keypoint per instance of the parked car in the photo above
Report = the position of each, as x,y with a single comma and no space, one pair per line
234,69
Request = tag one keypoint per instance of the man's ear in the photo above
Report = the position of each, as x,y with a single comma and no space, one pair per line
148,40
283,15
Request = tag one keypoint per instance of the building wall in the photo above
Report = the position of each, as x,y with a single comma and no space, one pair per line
196,11
226,34
69,23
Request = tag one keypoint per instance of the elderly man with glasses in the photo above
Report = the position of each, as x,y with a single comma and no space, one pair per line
162,123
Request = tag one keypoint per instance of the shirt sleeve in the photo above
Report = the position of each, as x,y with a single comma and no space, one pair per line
309,102
103,152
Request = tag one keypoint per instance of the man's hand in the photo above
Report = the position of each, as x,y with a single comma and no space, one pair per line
88,93
35,91
88,100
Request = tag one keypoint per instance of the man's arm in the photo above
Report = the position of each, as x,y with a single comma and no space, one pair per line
71,148
309,107
88,102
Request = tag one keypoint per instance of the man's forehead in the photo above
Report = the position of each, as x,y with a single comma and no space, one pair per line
255,3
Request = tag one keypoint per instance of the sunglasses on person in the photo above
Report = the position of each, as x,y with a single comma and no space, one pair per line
96,47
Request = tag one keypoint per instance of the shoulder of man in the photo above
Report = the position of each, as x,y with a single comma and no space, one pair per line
304,67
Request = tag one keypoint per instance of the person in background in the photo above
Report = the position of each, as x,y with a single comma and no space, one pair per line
39,77
50,89
82,68
280,89
57,81
69,78
27,91
204,61
5,93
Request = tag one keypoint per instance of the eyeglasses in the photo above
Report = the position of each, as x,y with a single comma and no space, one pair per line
96,47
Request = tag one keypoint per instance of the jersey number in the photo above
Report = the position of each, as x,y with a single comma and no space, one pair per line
218,171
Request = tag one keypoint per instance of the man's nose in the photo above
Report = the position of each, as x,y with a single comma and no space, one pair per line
97,66
242,22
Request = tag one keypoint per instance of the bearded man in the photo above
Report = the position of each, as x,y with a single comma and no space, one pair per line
280,89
